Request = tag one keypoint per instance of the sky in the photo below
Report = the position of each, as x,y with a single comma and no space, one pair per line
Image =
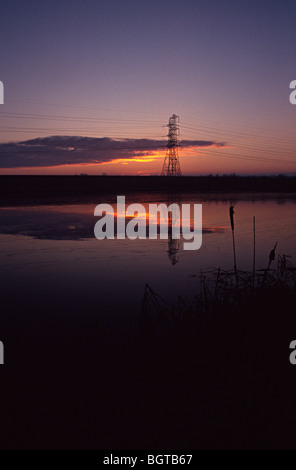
89,86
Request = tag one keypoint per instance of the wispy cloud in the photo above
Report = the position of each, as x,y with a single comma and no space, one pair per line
70,150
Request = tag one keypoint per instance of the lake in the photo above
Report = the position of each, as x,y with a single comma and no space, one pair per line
52,248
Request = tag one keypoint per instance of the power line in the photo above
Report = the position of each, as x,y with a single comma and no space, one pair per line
248,157
257,136
73,118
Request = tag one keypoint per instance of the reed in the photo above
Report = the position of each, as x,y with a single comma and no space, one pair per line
231,214
254,249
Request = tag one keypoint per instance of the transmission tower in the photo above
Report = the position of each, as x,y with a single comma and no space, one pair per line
171,165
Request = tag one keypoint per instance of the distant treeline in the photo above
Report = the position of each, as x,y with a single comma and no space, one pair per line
83,187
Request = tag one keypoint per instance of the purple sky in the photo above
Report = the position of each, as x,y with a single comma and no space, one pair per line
120,69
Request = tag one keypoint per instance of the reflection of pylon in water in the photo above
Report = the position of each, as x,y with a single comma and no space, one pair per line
173,244
173,251
171,165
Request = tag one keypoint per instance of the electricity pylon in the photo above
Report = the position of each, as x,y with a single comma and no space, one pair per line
171,164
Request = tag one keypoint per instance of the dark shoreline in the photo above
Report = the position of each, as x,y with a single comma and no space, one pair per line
43,189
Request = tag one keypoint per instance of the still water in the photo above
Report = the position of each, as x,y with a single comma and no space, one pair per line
49,252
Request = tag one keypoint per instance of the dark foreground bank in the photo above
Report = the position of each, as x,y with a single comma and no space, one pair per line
213,377
44,189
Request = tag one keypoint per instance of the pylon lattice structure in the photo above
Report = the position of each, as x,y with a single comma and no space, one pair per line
171,164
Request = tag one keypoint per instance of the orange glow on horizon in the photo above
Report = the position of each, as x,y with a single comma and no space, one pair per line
211,159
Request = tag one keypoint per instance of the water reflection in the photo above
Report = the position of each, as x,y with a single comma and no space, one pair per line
173,243
59,239
76,222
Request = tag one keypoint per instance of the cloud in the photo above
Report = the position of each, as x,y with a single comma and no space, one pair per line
74,150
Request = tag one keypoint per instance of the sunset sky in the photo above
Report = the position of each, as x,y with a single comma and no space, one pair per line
89,86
